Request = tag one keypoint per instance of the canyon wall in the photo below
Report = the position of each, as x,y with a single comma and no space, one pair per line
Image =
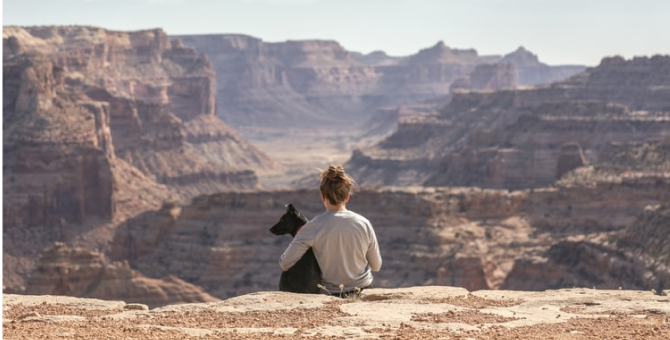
100,125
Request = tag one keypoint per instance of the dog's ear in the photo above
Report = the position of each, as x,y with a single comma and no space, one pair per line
289,207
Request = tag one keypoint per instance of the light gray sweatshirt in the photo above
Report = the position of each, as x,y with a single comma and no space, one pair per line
345,246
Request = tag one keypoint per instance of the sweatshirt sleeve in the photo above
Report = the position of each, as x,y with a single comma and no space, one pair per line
373,255
296,249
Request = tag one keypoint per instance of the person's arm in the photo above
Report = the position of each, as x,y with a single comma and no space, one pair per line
296,249
373,255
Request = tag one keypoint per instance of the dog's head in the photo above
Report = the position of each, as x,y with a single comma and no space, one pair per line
289,223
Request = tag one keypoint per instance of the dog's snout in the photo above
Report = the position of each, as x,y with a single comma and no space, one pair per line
275,230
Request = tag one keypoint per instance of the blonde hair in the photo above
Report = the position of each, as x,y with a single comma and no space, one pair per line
335,184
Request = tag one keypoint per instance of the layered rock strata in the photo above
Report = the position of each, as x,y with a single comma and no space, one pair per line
513,138
100,125
307,83
153,88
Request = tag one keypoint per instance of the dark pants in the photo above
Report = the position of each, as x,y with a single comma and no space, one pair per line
351,293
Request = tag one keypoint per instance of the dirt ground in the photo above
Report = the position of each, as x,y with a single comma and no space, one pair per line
403,313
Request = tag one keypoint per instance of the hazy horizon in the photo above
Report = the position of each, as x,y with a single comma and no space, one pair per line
558,32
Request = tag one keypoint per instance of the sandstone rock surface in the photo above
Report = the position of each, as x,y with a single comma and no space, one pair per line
401,313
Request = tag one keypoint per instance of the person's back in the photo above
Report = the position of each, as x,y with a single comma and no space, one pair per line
344,242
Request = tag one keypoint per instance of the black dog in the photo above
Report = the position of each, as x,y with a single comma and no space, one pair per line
305,275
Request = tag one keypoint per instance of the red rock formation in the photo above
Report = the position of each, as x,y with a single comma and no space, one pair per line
57,154
153,86
95,124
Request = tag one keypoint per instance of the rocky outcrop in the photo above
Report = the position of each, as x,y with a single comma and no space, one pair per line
80,272
153,87
57,154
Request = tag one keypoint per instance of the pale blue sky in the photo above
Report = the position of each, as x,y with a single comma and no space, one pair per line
558,31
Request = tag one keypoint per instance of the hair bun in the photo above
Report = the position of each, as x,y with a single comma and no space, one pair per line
335,173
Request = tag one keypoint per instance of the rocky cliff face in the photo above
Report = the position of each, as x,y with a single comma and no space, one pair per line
153,87
263,84
99,125
467,237
514,138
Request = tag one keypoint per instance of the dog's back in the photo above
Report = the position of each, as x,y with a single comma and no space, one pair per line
305,275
